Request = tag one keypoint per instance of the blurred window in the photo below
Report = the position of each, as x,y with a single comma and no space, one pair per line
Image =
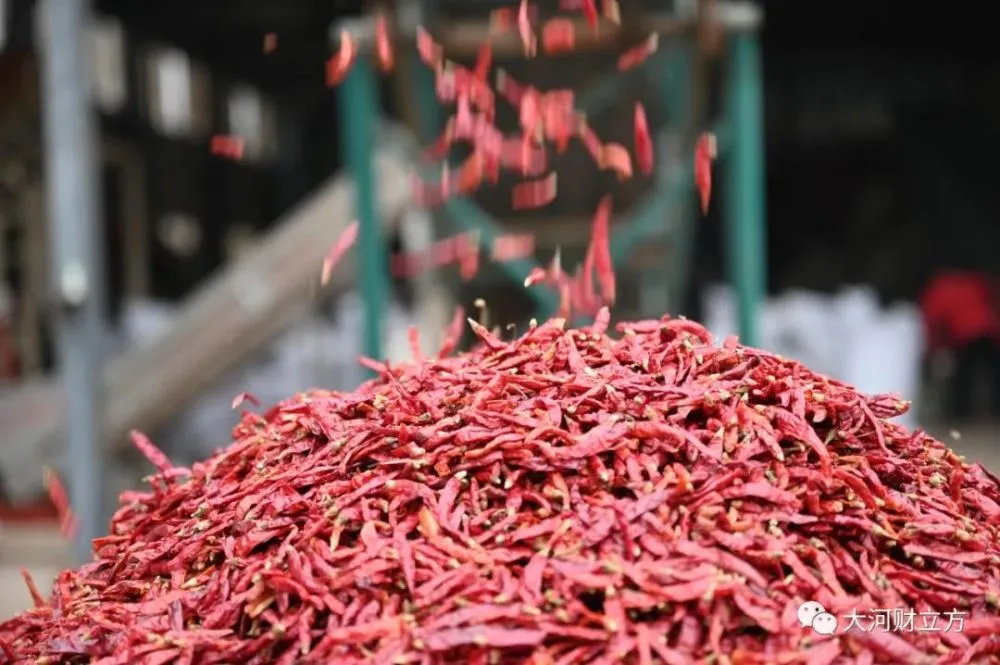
179,92
106,54
251,118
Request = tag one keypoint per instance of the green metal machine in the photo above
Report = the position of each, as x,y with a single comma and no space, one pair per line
741,158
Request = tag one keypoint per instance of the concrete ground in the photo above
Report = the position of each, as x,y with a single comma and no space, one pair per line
44,553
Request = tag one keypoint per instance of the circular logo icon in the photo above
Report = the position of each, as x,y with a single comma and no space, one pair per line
808,611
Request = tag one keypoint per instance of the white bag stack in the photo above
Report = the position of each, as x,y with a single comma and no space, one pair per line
847,336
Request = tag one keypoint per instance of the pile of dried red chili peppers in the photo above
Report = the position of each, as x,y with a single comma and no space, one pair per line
565,497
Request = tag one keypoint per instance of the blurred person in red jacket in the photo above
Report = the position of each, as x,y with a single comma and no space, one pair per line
961,312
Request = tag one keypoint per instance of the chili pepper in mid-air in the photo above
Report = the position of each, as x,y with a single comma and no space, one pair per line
601,239
430,52
451,250
590,14
341,62
229,147
383,43
468,260
534,193
616,157
245,397
612,11
151,452
525,30
512,248
704,153
637,55
558,36
60,501
270,42
504,19
484,59
643,141
346,240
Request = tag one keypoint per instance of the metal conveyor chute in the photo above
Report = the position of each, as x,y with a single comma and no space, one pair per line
235,314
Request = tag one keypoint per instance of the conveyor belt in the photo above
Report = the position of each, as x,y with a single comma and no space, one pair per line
228,320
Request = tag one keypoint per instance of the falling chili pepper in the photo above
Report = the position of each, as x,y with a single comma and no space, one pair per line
346,240
704,153
590,14
558,36
60,500
611,10
229,147
484,59
525,30
601,239
245,397
341,62
383,43
512,247
429,50
504,19
534,193
505,248
615,156
270,42
643,142
637,55
468,262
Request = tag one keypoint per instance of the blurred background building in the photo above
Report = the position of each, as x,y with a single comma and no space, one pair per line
877,123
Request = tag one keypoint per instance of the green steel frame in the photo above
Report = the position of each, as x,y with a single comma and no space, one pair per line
741,154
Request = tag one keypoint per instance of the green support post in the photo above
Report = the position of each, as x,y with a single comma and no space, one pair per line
744,181
359,116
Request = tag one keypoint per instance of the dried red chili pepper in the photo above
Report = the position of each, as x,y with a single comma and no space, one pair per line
615,156
504,19
704,153
270,42
525,30
468,261
383,43
60,501
602,251
229,147
341,62
643,141
430,52
346,240
562,497
637,55
483,61
558,36
589,10
611,10
534,193
245,397
512,248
